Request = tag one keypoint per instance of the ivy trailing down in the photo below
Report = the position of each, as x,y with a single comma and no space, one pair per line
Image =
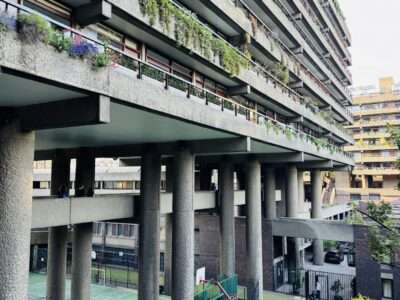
281,71
190,33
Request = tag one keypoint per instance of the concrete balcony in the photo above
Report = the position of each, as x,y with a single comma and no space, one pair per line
371,135
384,192
379,123
256,77
333,13
376,98
365,147
283,15
139,104
378,111
369,159
264,38
376,171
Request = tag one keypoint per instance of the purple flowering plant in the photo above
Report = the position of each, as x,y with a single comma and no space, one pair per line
82,48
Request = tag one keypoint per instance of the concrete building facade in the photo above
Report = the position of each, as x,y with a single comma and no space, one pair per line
375,176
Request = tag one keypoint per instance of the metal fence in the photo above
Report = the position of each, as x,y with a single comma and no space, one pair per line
317,285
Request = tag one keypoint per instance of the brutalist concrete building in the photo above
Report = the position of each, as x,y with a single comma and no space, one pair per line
256,89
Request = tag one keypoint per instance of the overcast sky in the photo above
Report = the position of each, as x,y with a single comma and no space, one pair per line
375,30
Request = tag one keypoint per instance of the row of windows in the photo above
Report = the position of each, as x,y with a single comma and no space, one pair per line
116,229
100,185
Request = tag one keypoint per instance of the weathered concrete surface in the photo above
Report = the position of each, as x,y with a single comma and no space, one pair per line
254,230
56,263
292,192
81,261
316,213
269,193
82,235
16,159
183,227
227,219
169,181
41,60
149,236
57,239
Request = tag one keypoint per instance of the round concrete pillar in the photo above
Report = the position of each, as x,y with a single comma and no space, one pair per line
81,261
82,234
149,238
301,196
227,219
57,241
254,230
316,213
183,226
269,193
168,224
16,160
292,192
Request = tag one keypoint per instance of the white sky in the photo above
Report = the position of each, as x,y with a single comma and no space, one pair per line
375,29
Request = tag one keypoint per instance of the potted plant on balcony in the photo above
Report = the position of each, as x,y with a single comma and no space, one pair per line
33,28
337,287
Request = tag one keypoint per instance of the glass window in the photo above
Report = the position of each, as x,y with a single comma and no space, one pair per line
387,288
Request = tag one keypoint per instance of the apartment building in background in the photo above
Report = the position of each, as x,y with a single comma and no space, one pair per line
375,176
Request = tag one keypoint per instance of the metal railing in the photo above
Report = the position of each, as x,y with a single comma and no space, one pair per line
291,18
143,68
269,34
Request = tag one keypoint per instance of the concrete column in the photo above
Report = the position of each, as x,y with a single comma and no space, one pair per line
183,226
82,234
34,257
168,232
292,200
57,241
149,238
81,261
301,199
316,213
227,219
254,230
269,193
16,160
205,178
292,192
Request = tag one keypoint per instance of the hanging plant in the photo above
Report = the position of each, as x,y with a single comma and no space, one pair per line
281,71
165,12
151,9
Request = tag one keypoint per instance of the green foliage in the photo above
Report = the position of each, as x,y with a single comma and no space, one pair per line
101,60
383,242
281,71
360,297
3,28
33,28
355,218
151,9
59,41
329,245
190,33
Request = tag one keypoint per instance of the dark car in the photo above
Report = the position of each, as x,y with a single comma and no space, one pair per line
334,257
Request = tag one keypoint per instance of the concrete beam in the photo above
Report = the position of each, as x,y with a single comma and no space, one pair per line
93,12
66,113
323,164
297,85
298,50
281,158
313,229
297,17
240,90
299,119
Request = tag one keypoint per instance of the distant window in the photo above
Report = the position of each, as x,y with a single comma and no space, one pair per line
387,288
374,197
355,197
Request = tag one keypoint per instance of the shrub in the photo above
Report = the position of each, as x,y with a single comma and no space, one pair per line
33,28
101,60
59,41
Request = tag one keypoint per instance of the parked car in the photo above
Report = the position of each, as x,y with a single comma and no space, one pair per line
334,257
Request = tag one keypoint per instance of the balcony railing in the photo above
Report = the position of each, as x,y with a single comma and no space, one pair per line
271,36
169,80
301,31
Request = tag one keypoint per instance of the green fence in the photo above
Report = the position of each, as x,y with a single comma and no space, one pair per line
210,290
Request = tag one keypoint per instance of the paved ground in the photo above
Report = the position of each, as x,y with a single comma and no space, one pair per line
37,291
